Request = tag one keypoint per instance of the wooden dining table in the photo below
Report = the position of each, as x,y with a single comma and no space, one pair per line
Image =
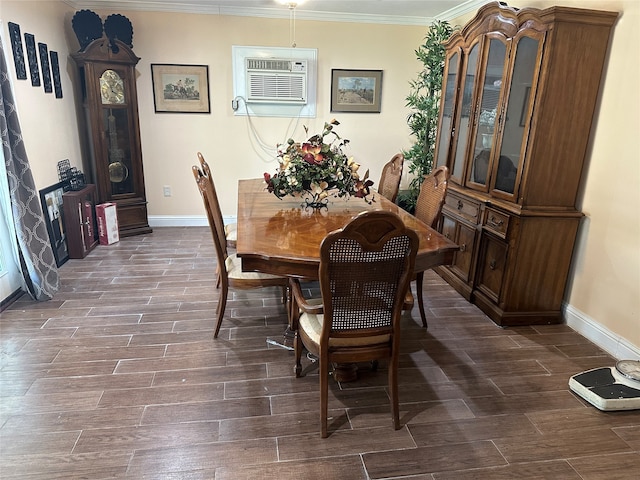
282,237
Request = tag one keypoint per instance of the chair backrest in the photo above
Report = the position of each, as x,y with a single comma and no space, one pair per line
204,180
390,178
431,196
365,270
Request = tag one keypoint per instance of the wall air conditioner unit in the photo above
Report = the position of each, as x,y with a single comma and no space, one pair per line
276,80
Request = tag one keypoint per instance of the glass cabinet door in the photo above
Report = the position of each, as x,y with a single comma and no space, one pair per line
516,119
450,84
116,130
467,81
487,113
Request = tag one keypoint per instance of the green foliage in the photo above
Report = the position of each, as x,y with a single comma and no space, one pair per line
424,100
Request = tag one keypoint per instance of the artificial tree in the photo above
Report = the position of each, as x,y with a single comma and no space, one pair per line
424,101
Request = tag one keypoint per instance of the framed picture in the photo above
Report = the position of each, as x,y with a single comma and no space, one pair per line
32,57
51,199
180,88
18,52
356,90
55,71
46,69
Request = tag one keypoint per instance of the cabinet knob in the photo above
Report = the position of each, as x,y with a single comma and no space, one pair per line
492,264
460,204
495,223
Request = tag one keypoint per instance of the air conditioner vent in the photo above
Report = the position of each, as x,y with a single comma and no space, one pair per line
273,80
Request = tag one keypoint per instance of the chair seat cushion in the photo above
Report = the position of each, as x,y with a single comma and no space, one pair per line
234,270
231,232
312,325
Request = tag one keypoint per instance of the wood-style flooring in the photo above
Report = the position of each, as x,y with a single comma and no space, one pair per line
119,376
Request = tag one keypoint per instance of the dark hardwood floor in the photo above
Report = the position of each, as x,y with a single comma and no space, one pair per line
119,376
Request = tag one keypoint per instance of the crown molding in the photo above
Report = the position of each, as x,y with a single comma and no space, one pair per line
462,9
276,12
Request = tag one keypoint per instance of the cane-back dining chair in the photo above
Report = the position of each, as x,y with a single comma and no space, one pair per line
229,268
390,178
230,229
365,270
428,210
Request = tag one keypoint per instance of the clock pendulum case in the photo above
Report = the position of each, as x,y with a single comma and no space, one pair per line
108,81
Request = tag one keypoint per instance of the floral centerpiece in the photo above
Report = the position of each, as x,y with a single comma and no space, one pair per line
317,169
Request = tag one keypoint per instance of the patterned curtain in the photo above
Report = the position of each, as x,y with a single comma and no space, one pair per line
34,249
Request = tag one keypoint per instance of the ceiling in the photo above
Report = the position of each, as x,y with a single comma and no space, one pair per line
402,12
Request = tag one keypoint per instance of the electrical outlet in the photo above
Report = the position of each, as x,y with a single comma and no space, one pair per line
166,190
234,104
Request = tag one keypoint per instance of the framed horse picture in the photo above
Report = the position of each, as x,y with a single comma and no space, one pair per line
180,88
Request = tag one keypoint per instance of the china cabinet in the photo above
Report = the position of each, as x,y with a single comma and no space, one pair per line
108,81
80,221
520,91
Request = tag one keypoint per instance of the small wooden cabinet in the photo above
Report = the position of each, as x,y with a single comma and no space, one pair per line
80,221
520,89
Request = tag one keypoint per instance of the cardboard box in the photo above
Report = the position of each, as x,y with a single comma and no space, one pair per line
107,215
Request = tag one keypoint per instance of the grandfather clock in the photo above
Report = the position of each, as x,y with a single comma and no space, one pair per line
108,81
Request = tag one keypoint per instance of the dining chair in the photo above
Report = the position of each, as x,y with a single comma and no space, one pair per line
229,267
390,179
365,271
230,229
428,210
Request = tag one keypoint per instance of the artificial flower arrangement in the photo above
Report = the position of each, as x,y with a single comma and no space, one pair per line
317,169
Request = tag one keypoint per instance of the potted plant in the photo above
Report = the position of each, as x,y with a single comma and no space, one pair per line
424,101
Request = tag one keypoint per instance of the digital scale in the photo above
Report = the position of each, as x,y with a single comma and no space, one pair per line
610,388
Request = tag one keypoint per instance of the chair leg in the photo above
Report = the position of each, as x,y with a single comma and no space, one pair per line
393,392
419,281
222,305
297,346
324,393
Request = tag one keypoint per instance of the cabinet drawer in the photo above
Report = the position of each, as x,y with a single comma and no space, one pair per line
463,207
496,221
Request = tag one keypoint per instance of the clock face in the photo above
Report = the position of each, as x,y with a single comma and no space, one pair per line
111,88
629,368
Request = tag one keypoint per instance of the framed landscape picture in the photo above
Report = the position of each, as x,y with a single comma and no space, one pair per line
180,88
51,199
356,90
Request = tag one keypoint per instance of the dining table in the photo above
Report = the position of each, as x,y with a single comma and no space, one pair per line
281,236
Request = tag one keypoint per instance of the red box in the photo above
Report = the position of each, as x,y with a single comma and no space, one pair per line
107,215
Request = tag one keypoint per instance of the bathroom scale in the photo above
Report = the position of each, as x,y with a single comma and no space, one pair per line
610,388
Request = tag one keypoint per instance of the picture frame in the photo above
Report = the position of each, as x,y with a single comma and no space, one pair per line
44,66
356,91
32,57
18,51
180,88
51,200
55,72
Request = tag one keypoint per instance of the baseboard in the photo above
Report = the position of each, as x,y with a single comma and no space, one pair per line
184,220
604,338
